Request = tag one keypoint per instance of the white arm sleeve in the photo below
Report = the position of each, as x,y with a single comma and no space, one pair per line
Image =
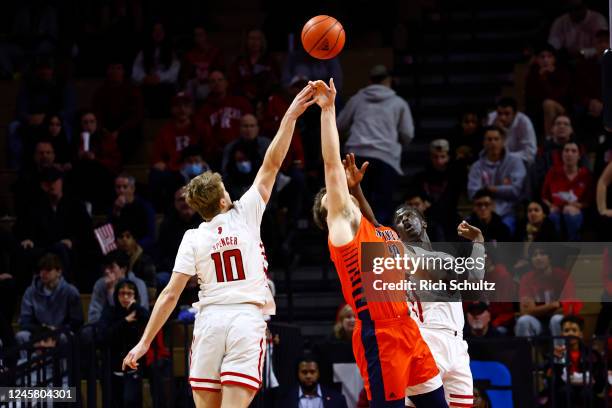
185,257
476,273
251,207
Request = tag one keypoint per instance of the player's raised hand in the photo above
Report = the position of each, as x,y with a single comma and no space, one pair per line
131,360
470,232
325,95
301,102
354,174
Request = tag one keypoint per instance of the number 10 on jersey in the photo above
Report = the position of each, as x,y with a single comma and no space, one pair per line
228,265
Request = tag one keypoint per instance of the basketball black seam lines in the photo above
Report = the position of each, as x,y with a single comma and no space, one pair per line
322,37
336,43
313,24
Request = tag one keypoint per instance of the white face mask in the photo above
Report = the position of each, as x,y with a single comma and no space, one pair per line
244,167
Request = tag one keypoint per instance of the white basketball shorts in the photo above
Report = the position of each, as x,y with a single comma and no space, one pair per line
451,354
228,347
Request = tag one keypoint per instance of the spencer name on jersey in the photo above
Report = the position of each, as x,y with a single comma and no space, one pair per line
228,257
225,241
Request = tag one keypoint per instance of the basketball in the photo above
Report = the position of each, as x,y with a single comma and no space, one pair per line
323,37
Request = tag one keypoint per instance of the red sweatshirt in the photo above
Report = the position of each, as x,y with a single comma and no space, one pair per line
171,140
223,117
273,114
558,188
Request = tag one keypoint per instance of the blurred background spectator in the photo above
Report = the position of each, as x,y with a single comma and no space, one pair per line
379,124
121,326
156,70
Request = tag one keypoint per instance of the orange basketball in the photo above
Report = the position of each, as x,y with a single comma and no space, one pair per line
323,37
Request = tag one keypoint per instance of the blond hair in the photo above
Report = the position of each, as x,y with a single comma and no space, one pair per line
339,331
319,212
203,194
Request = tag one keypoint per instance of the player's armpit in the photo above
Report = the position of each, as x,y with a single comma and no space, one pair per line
343,225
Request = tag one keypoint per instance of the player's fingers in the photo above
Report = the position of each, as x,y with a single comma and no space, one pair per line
310,102
331,85
352,158
364,166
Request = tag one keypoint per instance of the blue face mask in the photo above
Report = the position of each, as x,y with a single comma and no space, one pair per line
192,170
244,166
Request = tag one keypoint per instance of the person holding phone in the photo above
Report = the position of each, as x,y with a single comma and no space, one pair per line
120,327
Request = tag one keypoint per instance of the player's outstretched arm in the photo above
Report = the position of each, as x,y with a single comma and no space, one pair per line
338,197
165,304
264,181
354,175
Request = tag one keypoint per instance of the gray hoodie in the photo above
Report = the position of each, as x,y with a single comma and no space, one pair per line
100,297
507,174
59,308
379,124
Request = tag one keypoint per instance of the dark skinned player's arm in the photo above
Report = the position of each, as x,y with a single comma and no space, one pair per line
364,206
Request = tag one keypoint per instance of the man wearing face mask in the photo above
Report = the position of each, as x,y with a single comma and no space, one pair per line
479,322
242,157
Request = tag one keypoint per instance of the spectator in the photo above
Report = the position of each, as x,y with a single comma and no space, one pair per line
567,191
336,348
479,322
198,62
42,92
540,292
23,136
573,361
500,172
50,303
310,392
174,137
273,112
255,70
442,182
486,218
300,156
519,133
178,220
466,142
604,203
121,325
550,155
156,69
140,263
538,228
119,106
575,30
588,100
300,64
547,89
52,221
133,212
379,123
501,309
98,158
56,133
221,112
115,266
243,157
28,183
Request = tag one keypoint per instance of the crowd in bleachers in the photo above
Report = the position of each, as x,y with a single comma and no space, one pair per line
538,174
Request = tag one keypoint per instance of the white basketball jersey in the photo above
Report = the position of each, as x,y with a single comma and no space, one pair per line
228,256
438,315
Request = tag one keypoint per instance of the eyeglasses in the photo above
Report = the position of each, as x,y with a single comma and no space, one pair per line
482,204
126,293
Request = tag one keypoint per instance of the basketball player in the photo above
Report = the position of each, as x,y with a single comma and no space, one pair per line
227,255
392,357
440,322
